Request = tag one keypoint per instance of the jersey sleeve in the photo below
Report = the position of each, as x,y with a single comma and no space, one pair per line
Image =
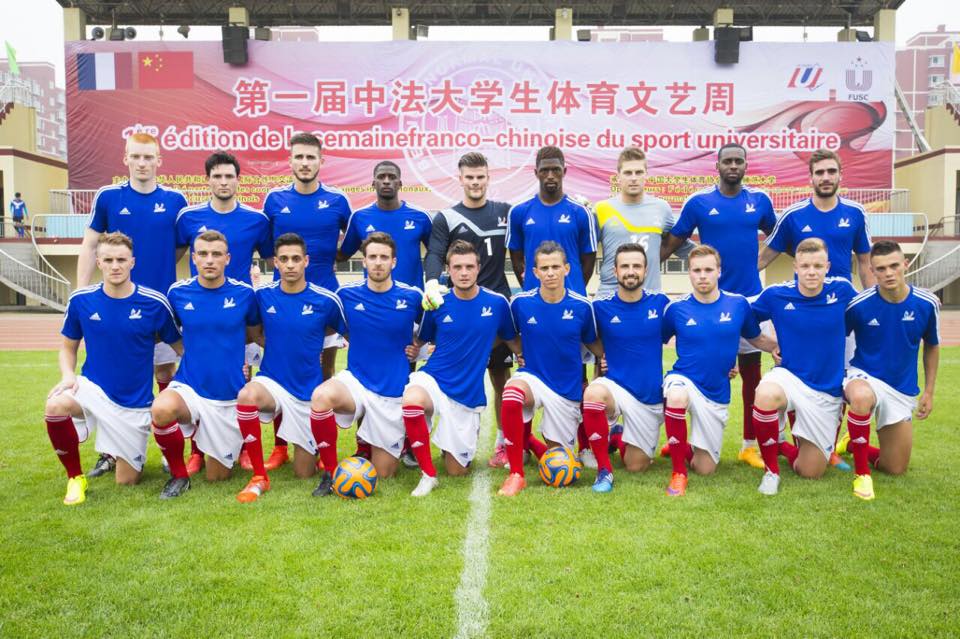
179,201
780,238
167,329
428,327
253,310
351,237
687,221
427,230
861,243
345,212
335,317
762,305
668,222
667,323
588,332
182,231
768,218
587,222
507,329
931,335
437,248
269,206
515,314
514,230
265,241
99,214
71,322
750,327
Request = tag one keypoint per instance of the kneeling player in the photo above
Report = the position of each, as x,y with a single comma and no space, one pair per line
629,324
554,322
119,322
708,325
381,314
216,314
807,315
450,385
889,321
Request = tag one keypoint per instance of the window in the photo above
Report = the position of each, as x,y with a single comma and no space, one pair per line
935,79
934,99
676,265
936,61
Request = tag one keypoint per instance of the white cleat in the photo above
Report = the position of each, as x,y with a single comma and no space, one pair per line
770,484
588,459
426,486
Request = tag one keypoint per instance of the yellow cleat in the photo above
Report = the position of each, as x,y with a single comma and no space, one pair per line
76,491
863,487
751,455
843,443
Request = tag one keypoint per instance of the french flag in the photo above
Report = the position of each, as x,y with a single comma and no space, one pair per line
104,71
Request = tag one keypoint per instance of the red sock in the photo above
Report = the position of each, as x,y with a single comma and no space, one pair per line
675,422
323,425
749,365
511,417
170,440
194,449
535,446
789,451
859,428
583,442
162,386
363,448
277,439
248,417
418,434
66,442
616,440
792,418
766,425
598,433
873,454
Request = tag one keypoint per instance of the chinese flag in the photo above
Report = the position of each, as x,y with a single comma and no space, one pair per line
165,69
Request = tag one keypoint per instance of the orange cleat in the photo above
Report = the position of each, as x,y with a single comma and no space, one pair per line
194,463
513,485
245,462
665,450
254,488
320,467
677,486
277,458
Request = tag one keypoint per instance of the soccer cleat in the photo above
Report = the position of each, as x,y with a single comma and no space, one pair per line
616,430
843,443
254,488
105,464
751,455
325,487
175,487
76,491
863,487
409,460
665,450
320,466
837,462
165,465
278,457
770,484
426,486
244,461
677,486
194,463
513,485
587,458
499,458
604,482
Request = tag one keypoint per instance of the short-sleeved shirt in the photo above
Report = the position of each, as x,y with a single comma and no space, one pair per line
318,218
566,222
380,326
708,337
552,334
119,336
463,332
149,219
843,229
214,323
633,343
294,327
246,229
730,225
810,330
409,226
18,208
889,335
485,228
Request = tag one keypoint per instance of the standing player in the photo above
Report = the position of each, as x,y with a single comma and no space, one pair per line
628,320
18,212
381,314
119,323
554,322
728,216
708,325
808,316
889,322
216,314
450,385
297,315
483,223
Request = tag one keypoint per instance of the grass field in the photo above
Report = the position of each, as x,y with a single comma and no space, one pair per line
814,561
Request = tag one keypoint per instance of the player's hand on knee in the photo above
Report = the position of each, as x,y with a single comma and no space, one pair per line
433,294
66,384
925,406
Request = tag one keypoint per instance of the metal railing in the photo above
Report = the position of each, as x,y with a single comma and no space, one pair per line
947,94
48,289
944,269
80,201
18,93
873,200
39,228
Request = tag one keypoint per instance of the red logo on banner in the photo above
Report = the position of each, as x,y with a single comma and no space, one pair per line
165,69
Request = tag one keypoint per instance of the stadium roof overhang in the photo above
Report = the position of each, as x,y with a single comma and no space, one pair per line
269,13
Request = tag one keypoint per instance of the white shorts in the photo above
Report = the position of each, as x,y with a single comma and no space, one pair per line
334,341
892,406
164,354
121,432
382,416
818,413
213,424
641,422
252,354
295,427
707,417
457,427
766,328
561,416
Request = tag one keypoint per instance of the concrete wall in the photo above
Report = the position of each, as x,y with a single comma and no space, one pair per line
932,181
25,170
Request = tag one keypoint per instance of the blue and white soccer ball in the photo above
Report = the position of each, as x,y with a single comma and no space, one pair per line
559,467
355,478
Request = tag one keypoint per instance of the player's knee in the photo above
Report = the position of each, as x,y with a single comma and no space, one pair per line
895,465
163,411
413,396
164,372
595,393
320,399
636,465
247,396
453,468
810,471
57,407
861,398
128,481
767,396
676,398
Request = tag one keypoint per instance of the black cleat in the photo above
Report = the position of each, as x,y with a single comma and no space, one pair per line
175,487
105,464
325,487
408,459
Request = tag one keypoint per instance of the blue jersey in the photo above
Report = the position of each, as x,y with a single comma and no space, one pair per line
409,227
463,332
633,343
843,229
18,209
294,325
730,225
119,336
888,335
568,223
214,323
246,229
149,220
810,330
318,218
380,327
708,337
552,335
